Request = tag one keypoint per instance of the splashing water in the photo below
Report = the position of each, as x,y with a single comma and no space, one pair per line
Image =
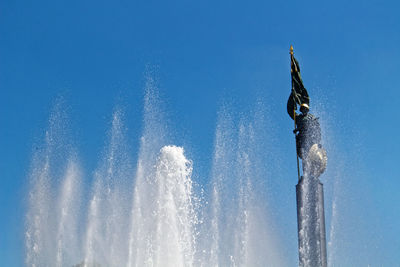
151,216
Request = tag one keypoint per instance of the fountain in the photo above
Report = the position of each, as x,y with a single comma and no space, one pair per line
151,214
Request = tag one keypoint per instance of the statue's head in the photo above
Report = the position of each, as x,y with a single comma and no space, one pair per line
304,108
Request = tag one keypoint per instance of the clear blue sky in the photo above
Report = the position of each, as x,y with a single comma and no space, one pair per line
95,53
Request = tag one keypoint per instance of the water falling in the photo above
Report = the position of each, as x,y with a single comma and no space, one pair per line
241,233
68,213
36,235
107,221
51,235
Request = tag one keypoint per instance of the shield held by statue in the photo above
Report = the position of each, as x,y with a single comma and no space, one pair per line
316,161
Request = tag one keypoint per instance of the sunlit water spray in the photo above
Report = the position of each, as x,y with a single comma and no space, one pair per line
51,235
107,220
151,216
240,225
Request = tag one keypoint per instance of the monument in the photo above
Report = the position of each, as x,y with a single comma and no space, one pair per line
309,190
